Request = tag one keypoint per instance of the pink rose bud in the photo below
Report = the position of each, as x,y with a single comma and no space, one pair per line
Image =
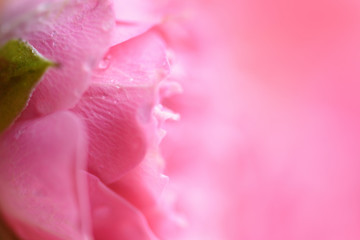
179,120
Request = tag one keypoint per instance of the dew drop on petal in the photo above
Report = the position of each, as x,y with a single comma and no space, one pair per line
105,63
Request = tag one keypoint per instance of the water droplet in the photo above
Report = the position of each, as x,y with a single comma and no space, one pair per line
105,63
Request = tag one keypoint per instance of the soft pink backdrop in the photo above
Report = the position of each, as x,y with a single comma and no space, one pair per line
268,143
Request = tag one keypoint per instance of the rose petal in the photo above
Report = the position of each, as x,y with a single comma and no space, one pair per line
139,10
139,61
136,17
42,195
143,185
125,31
117,140
165,221
113,217
118,106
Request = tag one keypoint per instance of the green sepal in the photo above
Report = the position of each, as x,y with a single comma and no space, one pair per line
21,68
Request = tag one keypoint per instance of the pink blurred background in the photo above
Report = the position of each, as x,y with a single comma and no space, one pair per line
268,142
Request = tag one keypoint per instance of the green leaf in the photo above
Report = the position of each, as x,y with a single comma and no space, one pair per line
21,68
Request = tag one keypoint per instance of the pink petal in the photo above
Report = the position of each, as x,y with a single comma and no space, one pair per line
113,217
139,61
42,194
67,33
134,17
165,221
136,11
117,140
143,185
118,106
125,31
